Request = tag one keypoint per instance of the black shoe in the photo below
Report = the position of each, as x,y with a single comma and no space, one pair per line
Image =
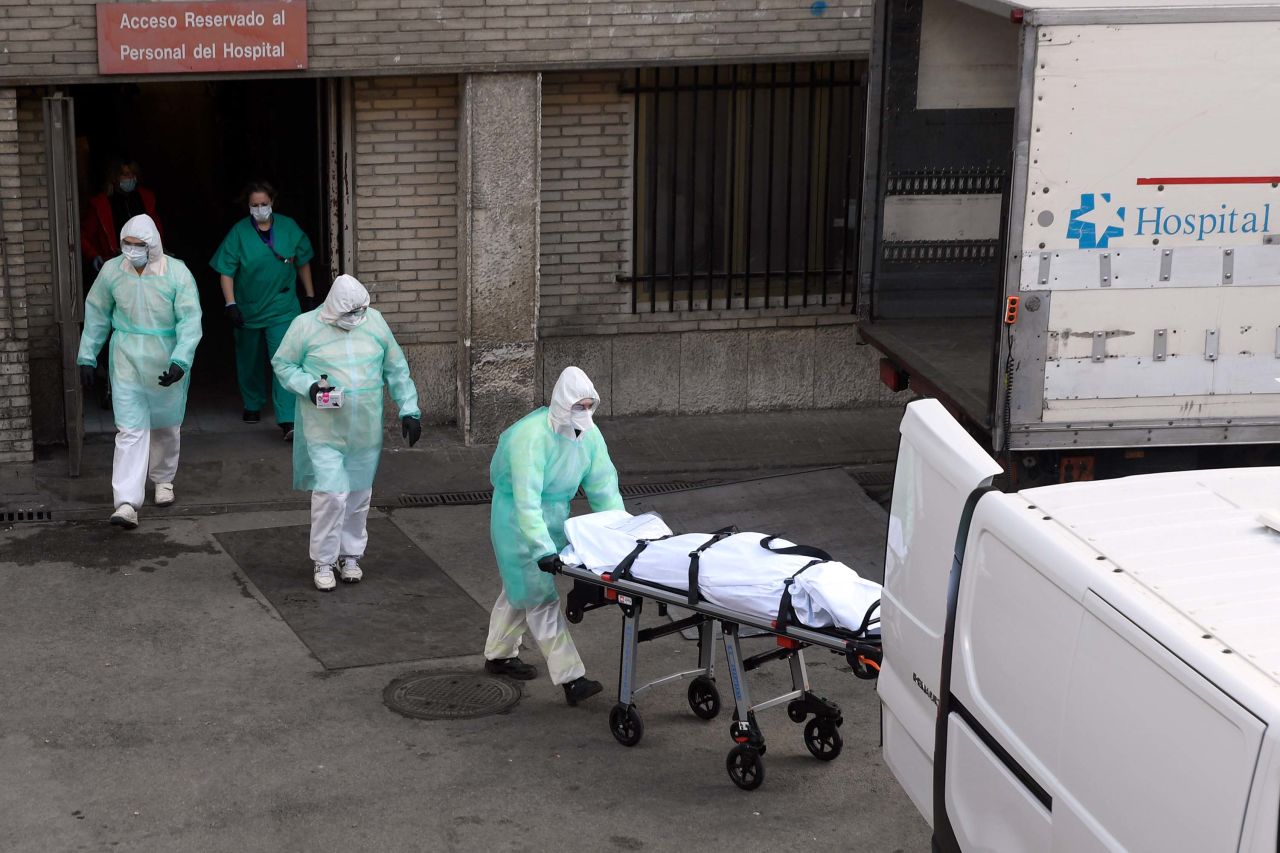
511,668
252,417
580,688
287,429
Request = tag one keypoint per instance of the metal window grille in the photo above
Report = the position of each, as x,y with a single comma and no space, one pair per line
745,185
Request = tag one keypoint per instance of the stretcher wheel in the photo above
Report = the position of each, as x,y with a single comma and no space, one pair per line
796,712
746,767
823,740
704,698
626,725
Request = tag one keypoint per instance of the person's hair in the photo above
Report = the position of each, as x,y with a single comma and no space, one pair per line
117,165
258,187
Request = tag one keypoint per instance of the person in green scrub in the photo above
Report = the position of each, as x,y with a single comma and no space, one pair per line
260,261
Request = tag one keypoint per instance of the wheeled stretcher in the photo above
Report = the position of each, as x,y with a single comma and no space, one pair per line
595,588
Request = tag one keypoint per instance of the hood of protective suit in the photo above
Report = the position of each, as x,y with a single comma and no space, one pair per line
143,227
346,295
572,386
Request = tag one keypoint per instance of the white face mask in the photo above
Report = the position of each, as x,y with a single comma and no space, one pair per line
136,255
260,212
351,319
581,421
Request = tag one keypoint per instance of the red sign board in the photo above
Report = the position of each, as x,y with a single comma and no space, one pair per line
225,35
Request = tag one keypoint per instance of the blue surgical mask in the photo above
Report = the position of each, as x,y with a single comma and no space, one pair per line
128,185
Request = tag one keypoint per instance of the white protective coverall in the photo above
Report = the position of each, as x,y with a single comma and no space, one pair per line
336,451
154,321
540,462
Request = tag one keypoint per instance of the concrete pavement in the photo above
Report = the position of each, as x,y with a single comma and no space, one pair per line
155,700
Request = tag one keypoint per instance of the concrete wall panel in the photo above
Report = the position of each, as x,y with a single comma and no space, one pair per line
780,369
713,372
646,374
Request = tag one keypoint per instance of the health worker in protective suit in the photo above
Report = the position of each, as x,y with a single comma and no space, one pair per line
336,359
541,461
147,302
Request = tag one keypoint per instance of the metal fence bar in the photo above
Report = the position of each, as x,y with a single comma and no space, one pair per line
811,92
751,180
732,170
825,228
768,204
675,179
848,168
653,191
791,133
635,195
693,179
711,185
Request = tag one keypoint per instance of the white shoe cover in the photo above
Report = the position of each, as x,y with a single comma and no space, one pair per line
164,494
125,516
350,570
322,574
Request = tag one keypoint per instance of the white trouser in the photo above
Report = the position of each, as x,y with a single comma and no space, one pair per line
338,522
550,631
139,453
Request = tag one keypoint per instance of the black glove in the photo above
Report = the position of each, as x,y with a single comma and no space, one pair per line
235,316
313,391
310,303
172,375
551,564
411,428
88,376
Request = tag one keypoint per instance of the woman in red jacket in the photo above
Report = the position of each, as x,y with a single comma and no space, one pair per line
109,210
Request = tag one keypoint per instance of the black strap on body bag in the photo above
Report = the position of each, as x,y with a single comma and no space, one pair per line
786,611
696,556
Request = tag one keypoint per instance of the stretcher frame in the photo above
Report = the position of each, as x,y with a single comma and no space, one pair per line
744,762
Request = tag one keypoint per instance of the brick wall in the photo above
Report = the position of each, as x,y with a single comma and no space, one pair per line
406,164
406,209
15,381
56,40
586,201
44,352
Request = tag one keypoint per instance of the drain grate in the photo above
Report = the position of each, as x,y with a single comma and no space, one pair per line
447,499
14,516
873,478
450,695
638,490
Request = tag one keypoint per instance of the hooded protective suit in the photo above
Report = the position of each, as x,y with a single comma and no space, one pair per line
155,318
537,468
337,450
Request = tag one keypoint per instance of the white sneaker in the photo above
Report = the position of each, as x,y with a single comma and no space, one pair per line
322,574
125,516
350,571
164,494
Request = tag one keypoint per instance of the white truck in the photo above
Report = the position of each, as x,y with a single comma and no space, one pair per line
1071,228
1085,666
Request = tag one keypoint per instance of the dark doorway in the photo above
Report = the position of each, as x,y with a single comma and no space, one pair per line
197,144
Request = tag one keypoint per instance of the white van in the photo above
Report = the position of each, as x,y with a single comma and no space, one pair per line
1084,666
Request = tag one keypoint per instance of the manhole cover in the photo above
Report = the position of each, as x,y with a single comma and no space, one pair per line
449,695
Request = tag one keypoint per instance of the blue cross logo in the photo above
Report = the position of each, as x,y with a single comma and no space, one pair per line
1095,221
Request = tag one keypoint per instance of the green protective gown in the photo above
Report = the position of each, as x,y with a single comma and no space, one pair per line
153,320
337,450
265,285
535,473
